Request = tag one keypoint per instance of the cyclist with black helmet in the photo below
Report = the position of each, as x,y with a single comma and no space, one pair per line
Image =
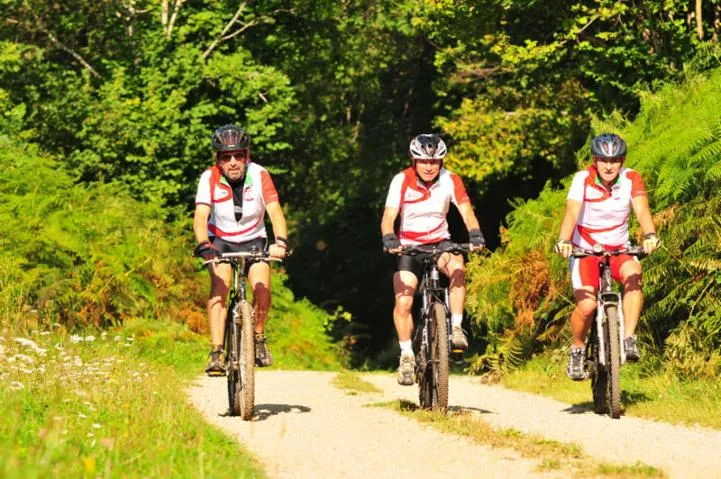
598,205
232,199
421,195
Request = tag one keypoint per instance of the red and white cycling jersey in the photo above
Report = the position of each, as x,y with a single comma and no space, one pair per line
258,191
423,209
604,214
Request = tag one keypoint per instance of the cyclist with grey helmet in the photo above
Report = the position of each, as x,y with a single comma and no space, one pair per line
421,196
230,206
598,206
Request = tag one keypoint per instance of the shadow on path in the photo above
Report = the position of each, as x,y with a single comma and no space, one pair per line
264,411
627,399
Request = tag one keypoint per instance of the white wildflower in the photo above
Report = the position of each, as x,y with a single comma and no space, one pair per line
117,338
97,426
45,333
90,434
24,357
130,339
82,416
25,370
89,339
29,343
76,338
59,346
16,386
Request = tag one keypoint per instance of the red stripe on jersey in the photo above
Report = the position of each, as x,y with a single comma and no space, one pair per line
268,188
220,233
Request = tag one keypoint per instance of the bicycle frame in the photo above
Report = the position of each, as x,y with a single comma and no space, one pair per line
431,292
607,296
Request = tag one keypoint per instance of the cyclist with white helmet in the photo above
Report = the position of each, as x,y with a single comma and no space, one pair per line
421,195
232,199
598,206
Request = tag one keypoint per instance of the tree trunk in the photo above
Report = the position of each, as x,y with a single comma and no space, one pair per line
699,19
716,23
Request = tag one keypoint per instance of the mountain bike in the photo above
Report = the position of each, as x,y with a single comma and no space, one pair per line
240,335
604,347
432,344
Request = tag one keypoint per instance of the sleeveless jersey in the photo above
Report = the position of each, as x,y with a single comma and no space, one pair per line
604,214
258,191
423,209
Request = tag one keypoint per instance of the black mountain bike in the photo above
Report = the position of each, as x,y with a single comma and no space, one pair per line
432,339
240,336
604,347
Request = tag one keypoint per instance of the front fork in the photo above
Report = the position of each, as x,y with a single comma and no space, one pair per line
606,299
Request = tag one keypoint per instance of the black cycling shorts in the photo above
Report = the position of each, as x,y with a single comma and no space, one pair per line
228,247
414,263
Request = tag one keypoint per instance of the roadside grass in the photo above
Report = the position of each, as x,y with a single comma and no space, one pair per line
110,405
658,396
352,383
555,455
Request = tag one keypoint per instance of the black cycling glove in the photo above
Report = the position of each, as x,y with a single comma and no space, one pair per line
206,250
476,237
390,241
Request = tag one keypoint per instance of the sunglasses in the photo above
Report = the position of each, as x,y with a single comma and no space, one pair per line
618,159
240,156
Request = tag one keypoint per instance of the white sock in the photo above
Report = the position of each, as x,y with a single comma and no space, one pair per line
456,319
406,348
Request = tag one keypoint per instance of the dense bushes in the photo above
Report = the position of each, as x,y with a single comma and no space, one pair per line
91,256
675,142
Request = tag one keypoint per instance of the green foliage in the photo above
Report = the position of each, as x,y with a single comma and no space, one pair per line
84,256
100,406
674,143
93,257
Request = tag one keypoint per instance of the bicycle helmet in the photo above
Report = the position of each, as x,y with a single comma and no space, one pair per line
608,145
230,138
427,147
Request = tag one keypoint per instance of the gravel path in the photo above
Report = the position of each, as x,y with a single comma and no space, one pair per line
306,427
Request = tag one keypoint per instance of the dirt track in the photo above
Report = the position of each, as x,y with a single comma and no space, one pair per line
306,427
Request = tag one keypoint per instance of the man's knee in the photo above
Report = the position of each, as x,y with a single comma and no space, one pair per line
586,307
633,282
404,303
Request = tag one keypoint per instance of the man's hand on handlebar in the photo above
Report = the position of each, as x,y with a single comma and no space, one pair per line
477,240
563,247
651,242
206,250
278,250
391,244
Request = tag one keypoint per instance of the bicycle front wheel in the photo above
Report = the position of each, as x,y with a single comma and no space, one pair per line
232,347
614,363
439,357
245,396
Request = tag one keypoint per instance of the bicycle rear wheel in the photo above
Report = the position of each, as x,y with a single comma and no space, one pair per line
614,363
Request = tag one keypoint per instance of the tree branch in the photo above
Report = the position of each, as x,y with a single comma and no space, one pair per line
219,38
699,19
61,45
171,23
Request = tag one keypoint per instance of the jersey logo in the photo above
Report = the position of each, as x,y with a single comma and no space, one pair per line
593,194
220,194
412,195
248,194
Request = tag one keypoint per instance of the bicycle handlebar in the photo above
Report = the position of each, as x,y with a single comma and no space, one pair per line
630,250
453,248
229,257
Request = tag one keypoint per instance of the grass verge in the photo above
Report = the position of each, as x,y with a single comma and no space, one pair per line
109,406
554,455
353,384
658,396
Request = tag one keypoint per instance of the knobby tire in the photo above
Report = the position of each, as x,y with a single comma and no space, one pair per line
614,363
232,341
599,374
439,354
245,396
